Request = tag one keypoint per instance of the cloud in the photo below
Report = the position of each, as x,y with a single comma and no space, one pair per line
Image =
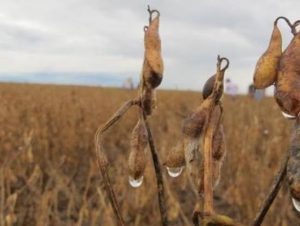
106,37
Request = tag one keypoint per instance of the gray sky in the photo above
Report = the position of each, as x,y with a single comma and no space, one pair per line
106,36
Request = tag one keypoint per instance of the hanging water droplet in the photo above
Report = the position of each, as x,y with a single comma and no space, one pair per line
296,204
135,183
287,116
266,131
174,171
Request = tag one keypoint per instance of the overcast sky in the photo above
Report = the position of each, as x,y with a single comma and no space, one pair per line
106,36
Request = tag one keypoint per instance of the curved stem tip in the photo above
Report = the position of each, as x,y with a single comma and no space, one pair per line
151,12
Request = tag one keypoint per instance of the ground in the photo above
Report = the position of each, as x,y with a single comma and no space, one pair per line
49,175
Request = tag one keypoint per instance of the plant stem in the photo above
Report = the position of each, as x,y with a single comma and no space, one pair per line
211,127
208,175
112,197
102,160
159,178
272,193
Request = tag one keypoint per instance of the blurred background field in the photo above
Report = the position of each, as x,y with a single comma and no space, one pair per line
49,175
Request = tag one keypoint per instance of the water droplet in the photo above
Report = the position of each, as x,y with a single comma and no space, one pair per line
174,171
135,183
266,132
287,116
296,204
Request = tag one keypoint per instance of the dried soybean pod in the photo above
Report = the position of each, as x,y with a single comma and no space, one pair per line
175,161
266,68
218,145
137,156
175,157
151,79
153,59
194,124
219,148
208,86
218,141
287,93
192,128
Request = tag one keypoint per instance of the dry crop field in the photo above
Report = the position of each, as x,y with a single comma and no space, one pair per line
49,175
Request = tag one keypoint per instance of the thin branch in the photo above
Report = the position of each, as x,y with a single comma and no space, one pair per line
272,193
151,12
286,20
208,138
159,178
102,160
118,114
208,174
294,27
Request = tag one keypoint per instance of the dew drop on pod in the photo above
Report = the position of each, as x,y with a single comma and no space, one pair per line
193,127
175,161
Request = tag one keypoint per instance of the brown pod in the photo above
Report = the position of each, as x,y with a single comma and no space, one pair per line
137,156
218,142
175,157
287,87
265,73
194,124
218,146
210,83
153,64
208,86
152,79
293,168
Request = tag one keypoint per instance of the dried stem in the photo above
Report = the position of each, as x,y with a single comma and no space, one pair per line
209,131
294,27
159,178
208,139
208,171
118,114
102,160
285,19
151,12
272,193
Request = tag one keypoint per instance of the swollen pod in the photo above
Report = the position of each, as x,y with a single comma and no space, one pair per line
287,87
137,156
267,66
